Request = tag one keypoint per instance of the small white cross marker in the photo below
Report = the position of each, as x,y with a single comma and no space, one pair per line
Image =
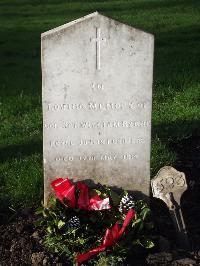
98,40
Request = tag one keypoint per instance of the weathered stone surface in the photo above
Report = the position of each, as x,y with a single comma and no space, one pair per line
169,185
161,258
97,97
184,262
169,181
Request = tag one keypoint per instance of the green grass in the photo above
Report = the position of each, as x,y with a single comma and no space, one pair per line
176,97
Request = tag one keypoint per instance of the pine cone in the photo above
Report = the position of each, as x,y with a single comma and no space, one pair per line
74,222
126,203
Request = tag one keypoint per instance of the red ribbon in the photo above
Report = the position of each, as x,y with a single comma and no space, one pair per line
83,199
64,189
110,238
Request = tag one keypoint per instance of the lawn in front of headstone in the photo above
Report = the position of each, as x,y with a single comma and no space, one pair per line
176,92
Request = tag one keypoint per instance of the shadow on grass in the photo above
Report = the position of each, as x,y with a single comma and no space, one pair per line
183,139
176,57
111,6
20,150
190,205
187,150
134,7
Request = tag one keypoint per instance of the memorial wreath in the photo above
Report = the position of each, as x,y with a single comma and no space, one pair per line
87,225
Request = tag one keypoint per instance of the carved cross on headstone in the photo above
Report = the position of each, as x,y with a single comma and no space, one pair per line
97,129
169,185
98,41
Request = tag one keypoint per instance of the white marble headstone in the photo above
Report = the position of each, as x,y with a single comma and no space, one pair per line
97,97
